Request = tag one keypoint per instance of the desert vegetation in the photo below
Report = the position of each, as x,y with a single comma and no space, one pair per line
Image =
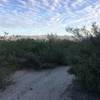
82,55
31,54
85,61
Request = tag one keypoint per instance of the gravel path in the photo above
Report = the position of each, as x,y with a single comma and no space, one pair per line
42,85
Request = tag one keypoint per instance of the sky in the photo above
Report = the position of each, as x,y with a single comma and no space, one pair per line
40,17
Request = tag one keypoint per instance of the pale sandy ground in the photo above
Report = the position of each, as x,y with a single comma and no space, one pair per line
42,85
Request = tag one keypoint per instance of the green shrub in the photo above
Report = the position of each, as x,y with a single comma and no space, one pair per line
34,54
28,60
86,61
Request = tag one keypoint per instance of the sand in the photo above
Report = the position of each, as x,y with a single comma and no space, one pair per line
42,85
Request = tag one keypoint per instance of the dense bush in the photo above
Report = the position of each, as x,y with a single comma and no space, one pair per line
34,54
82,54
86,59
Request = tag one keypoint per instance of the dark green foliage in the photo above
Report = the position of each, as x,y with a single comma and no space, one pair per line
31,54
86,60
83,55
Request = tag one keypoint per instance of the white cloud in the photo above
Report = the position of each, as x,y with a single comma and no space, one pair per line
29,14
4,0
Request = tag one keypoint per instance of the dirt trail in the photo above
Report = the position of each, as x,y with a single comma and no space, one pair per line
43,85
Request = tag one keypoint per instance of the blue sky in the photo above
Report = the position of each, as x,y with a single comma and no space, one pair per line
39,17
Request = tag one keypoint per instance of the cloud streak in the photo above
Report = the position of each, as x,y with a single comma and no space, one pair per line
44,16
